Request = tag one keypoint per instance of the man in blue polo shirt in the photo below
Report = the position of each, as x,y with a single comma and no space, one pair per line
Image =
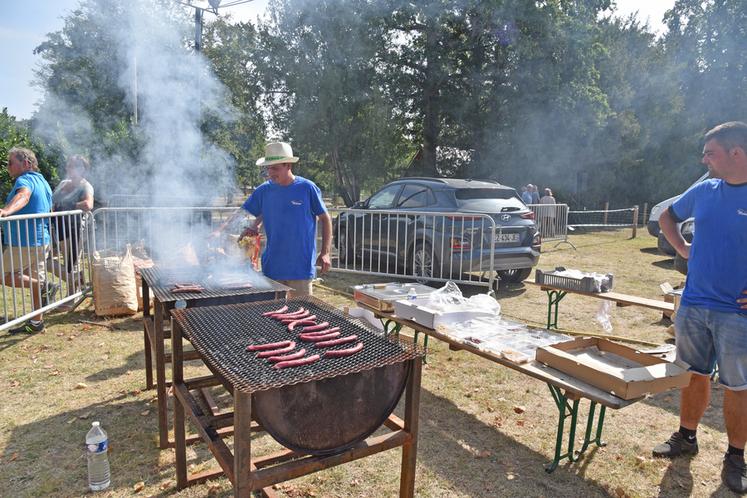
27,241
289,207
711,323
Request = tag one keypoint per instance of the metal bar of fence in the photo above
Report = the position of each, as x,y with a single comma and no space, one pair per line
35,278
552,221
429,246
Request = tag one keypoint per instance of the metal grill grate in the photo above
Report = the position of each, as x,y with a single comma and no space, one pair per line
222,333
161,281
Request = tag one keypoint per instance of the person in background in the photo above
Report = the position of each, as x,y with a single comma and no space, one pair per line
27,241
535,194
526,195
73,193
711,323
548,214
289,206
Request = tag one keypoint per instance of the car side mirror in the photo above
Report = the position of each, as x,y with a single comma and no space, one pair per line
360,205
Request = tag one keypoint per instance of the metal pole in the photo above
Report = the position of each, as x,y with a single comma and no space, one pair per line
198,29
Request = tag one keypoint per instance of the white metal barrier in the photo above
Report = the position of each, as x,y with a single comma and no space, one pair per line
39,278
432,246
552,221
605,219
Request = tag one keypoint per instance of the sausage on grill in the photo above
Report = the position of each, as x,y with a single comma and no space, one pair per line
266,346
320,332
274,352
318,337
276,312
296,363
288,357
309,320
337,353
315,328
335,342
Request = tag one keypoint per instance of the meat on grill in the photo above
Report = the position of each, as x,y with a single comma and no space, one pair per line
335,342
276,312
267,346
318,337
311,320
296,363
288,357
274,352
337,353
315,328
187,288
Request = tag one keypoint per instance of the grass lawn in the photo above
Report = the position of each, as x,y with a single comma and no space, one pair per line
472,440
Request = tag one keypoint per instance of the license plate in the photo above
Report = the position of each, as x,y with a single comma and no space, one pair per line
505,238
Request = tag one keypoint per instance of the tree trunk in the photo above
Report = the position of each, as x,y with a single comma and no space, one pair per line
431,110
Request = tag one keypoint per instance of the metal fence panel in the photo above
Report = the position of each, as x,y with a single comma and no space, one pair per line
429,246
552,221
43,277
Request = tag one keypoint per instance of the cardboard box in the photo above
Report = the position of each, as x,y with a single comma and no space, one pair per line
617,369
419,311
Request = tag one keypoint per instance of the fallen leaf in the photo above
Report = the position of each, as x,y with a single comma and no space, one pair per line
640,460
510,476
165,485
85,415
620,492
72,420
213,489
519,409
13,457
81,385
135,392
54,373
520,423
138,487
49,367
86,327
60,334
14,383
483,454
146,412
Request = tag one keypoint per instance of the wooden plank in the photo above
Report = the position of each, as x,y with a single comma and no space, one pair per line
410,448
620,299
177,375
242,445
307,465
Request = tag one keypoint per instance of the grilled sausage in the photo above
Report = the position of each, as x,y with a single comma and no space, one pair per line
309,320
274,352
335,342
288,357
320,332
316,337
276,312
305,314
337,353
296,363
267,346
315,328
293,314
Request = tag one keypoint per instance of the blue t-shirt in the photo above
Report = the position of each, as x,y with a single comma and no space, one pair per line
14,232
717,268
289,217
526,197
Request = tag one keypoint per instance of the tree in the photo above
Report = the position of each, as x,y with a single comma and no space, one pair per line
316,61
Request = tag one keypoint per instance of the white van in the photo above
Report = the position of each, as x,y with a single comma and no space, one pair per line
686,228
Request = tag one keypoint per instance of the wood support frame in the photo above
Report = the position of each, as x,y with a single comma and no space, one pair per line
249,474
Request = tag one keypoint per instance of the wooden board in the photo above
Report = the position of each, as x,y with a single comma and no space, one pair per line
619,299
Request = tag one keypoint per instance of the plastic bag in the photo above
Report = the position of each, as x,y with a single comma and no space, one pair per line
450,298
603,315
114,291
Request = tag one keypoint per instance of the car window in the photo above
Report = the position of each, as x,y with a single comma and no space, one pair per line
384,198
414,196
490,200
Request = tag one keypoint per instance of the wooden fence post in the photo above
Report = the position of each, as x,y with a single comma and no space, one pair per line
635,220
644,220
606,209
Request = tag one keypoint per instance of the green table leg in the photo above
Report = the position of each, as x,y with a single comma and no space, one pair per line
565,410
425,345
553,299
391,327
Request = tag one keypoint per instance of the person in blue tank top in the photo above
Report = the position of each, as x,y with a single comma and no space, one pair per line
289,206
27,241
711,323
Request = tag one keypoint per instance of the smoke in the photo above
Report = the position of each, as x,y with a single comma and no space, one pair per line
153,151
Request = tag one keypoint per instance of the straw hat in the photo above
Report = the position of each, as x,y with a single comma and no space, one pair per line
277,153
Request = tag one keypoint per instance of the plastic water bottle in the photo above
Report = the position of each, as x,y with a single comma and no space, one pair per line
412,294
97,445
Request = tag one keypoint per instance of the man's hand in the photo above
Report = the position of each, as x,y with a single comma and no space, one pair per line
2,213
742,301
248,232
325,262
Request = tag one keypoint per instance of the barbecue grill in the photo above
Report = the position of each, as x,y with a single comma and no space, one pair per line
162,281
324,412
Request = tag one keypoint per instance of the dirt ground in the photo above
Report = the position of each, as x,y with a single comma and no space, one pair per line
485,430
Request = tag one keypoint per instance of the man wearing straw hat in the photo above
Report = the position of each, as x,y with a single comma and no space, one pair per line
289,207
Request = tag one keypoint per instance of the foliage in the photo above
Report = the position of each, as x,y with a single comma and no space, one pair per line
16,134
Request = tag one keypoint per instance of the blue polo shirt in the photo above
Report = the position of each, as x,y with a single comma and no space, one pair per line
33,232
717,268
289,217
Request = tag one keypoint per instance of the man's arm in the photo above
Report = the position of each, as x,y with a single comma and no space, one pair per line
324,260
743,300
669,228
17,203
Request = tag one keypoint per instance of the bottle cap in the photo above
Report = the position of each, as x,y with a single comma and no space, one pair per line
95,424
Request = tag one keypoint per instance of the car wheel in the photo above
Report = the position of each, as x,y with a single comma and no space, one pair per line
514,276
424,262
